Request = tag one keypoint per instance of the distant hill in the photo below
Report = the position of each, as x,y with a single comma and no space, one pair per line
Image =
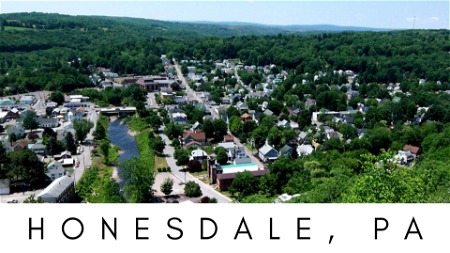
295,28
139,27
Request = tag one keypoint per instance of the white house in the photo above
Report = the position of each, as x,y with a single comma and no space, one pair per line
305,149
55,170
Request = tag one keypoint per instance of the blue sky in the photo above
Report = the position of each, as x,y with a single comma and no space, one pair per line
377,14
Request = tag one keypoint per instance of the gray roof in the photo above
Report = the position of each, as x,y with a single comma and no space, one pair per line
47,120
57,187
266,149
268,112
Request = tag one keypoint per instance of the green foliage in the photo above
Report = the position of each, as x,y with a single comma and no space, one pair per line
33,199
147,155
70,143
140,178
105,149
245,184
221,155
182,156
30,122
97,186
57,97
192,189
173,130
99,132
82,128
24,165
167,186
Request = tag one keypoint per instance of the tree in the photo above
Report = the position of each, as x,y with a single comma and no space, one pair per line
167,186
182,157
245,184
104,148
221,155
173,130
57,97
220,129
156,143
70,143
194,166
184,69
140,178
24,165
208,128
99,132
30,122
192,189
82,128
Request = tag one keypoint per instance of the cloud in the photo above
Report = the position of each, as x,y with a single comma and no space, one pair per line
434,19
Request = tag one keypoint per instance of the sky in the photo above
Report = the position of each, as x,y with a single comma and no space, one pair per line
375,14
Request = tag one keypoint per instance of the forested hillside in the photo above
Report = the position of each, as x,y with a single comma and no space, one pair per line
35,49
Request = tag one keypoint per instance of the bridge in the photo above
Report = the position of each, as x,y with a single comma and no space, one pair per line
118,110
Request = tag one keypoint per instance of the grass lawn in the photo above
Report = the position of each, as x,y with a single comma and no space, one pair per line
160,162
14,28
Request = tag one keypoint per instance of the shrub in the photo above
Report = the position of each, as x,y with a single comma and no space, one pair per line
192,189
212,200
205,199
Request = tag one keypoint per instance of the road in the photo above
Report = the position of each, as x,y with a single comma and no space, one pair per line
191,95
151,101
85,157
185,177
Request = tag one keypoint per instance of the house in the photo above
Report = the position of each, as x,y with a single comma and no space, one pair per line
228,138
246,117
293,111
305,149
75,114
62,190
256,117
6,103
16,129
39,148
199,137
5,186
283,123
267,153
241,106
288,150
64,155
198,155
403,157
196,127
62,133
309,102
47,122
413,149
20,145
9,115
55,170
179,117
27,100
268,112
106,84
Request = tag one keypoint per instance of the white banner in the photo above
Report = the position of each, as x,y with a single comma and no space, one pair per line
224,228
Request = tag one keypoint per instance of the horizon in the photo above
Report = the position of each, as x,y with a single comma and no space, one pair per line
365,14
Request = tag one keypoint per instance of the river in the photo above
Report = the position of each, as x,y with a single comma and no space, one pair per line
119,135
